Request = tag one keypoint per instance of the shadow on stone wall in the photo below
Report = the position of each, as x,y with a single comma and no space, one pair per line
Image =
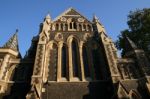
78,90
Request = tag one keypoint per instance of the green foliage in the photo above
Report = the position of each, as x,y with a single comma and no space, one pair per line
138,32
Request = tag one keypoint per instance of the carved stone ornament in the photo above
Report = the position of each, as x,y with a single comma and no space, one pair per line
58,37
63,19
69,20
80,20
86,36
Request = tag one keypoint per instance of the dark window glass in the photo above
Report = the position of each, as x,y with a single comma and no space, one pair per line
61,26
75,25
75,59
64,62
57,26
80,27
85,61
70,25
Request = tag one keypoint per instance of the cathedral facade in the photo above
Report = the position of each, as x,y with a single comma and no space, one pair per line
73,58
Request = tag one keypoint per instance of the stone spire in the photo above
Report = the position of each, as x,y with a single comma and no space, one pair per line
95,19
99,26
48,18
130,45
12,43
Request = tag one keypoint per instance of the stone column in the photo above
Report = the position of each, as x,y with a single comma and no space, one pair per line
81,61
70,60
82,27
64,26
59,26
59,61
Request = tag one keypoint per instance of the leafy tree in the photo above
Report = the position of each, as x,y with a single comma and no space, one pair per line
138,32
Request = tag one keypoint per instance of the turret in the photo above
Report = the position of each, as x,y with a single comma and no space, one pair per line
9,58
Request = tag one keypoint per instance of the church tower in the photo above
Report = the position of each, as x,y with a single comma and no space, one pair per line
9,57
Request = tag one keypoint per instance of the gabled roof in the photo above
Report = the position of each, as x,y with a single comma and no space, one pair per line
12,43
70,12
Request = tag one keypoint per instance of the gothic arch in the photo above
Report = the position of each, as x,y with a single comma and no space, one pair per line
50,43
71,37
10,73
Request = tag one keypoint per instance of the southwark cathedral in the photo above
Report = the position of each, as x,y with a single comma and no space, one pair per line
73,58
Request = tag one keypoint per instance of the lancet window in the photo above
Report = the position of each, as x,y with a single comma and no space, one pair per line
64,61
75,58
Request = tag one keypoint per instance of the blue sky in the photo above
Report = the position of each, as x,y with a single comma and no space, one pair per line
26,15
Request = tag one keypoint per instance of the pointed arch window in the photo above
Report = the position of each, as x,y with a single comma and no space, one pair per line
75,58
85,61
53,60
64,61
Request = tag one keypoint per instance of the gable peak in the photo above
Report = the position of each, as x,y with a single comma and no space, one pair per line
69,12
